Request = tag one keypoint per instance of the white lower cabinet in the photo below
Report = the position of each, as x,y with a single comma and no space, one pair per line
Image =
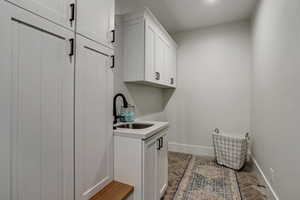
93,118
143,164
40,89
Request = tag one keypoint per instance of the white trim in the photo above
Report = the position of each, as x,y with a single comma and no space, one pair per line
191,149
265,178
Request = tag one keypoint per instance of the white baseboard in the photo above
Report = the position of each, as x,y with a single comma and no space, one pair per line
191,149
275,196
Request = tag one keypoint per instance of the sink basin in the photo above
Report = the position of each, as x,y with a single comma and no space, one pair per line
134,126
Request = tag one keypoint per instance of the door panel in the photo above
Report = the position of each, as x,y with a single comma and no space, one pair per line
173,66
5,94
58,11
167,70
150,170
94,137
42,77
95,20
159,58
162,162
150,52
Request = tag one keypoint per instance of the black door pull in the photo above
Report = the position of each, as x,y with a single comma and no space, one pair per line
72,18
71,47
113,36
112,62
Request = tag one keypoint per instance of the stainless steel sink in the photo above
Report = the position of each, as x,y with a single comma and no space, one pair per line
134,126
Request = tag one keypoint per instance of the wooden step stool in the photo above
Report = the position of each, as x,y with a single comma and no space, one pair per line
114,191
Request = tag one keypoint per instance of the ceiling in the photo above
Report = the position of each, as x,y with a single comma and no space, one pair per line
184,15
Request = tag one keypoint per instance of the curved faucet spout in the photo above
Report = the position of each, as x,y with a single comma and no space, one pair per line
125,104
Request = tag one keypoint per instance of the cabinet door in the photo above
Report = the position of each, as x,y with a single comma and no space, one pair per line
159,58
41,92
167,70
162,166
170,65
5,93
150,170
58,11
95,20
93,118
173,67
150,37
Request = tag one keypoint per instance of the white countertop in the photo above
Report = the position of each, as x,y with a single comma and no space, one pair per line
141,133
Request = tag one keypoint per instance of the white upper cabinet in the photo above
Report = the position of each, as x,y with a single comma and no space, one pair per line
93,118
148,51
58,11
40,87
95,20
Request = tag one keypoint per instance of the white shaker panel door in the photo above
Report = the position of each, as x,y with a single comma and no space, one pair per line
159,59
42,77
95,20
162,167
150,170
93,129
150,37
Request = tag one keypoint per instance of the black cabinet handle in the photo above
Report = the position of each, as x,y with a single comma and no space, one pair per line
162,142
71,47
72,18
157,75
112,62
159,144
172,81
113,36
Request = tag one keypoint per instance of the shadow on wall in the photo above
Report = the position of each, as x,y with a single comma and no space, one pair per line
167,95
147,100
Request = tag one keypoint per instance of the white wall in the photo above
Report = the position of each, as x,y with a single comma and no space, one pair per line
276,102
213,90
148,100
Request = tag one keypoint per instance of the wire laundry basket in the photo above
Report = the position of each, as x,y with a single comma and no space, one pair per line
230,150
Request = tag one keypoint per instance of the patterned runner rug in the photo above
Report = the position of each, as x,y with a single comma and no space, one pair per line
200,178
207,181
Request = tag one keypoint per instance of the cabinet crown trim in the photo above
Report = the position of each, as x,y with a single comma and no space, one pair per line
147,14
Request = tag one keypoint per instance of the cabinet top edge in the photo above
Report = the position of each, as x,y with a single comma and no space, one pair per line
146,13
